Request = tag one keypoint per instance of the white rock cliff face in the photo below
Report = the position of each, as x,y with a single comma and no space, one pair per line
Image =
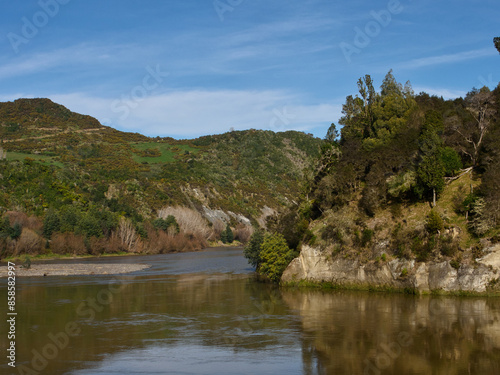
315,266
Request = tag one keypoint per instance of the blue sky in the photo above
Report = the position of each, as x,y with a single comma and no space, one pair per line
187,68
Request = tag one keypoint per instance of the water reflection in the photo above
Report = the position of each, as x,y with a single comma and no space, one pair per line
182,318
360,333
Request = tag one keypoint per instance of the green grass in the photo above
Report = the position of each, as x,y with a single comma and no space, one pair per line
168,152
20,156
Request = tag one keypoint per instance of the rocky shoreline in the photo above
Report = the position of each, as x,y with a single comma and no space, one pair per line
74,269
315,267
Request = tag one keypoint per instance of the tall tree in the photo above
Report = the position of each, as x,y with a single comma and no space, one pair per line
431,169
479,103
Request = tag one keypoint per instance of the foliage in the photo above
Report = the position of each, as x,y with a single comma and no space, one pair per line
253,248
275,255
165,224
434,223
227,236
451,161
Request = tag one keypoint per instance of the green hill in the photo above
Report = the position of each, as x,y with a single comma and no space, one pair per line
57,159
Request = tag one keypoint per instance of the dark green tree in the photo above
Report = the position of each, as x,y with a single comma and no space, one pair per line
496,41
51,224
253,248
431,170
452,161
165,224
227,236
332,134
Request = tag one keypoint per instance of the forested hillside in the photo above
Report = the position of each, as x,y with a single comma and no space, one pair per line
408,176
70,184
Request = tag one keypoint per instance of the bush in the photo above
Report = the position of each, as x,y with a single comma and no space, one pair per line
366,237
51,224
167,224
68,243
29,243
449,246
253,248
434,223
227,236
275,255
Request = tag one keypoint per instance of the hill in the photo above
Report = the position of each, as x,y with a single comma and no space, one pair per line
411,178
57,161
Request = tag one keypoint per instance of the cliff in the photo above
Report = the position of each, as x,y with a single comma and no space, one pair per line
316,266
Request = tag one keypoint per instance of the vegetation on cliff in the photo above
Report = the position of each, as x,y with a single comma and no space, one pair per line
411,176
408,176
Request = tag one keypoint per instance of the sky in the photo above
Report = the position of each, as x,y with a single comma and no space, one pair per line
187,68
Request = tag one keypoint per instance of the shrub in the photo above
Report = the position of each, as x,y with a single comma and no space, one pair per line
51,224
169,224
64,243
434,223
275,255
29,243
366,237
253,248
227,236
449,246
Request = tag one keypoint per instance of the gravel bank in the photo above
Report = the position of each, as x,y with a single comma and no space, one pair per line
74,269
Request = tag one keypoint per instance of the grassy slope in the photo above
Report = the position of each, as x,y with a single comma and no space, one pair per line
238,171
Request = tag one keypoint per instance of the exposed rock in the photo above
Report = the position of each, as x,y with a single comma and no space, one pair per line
316,266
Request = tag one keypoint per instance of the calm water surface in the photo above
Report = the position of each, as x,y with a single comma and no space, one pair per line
206,313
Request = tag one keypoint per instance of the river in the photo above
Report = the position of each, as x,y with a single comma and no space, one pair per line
206,313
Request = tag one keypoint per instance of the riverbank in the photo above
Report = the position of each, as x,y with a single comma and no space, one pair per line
52,256
74,269
314,267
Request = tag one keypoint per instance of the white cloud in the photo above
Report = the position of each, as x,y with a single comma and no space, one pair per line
193,113
447,59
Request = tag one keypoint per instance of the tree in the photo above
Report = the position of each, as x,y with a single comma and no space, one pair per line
479,103
332,134
496,41
253,248
431,170
275,255
452,162
51,224
167,224
229,234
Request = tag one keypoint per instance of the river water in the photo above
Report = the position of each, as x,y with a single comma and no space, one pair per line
207,313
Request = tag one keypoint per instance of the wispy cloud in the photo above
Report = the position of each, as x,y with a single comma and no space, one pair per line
191,113
448,58
78,55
